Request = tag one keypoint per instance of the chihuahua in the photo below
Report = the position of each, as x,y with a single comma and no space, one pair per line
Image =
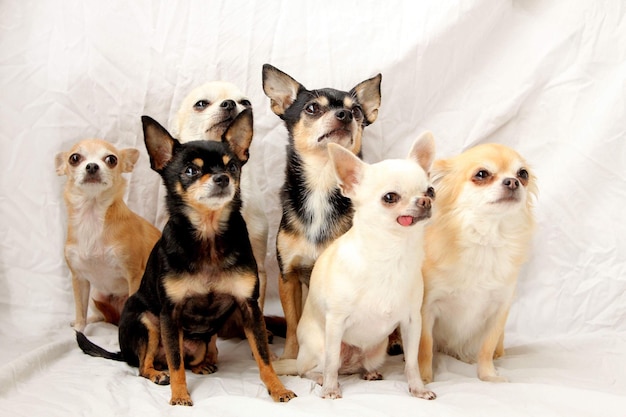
200,271
368,281
205,114
107,244
478,239
314,211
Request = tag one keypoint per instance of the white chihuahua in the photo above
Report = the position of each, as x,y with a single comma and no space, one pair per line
369,281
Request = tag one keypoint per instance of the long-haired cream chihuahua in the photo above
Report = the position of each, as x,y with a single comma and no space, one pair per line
107,244
368,281
477,240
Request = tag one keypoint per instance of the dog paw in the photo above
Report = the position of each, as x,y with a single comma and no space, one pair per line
204,369
493,378
183,400
331,393
372,376
79,326
161,378
282,396
423,393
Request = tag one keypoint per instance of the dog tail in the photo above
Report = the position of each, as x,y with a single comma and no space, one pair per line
277,325
285,367
90,348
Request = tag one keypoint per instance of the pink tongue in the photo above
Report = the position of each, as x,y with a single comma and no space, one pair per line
405,220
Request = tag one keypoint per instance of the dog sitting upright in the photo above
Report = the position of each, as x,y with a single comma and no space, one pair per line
107,244
314,211
205,114
475,245
200,271
368,281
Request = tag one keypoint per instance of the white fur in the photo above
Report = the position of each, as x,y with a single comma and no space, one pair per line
208,124
368,281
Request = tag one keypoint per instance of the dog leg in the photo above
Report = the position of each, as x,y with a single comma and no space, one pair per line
173,343
499,352
81,301
332,356
486,368
208,365
426,346
411,330
290,289
254,327
372,360
147,354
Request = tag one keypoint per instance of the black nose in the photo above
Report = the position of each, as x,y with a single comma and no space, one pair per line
92,168
221,180
511,183
228,104
344,115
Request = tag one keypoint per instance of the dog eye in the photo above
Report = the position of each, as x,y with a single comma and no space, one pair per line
110,160
75,159
523,174
191,171
232,168
391,198
481,175
312,109
201,105
245,103
430,192
357,113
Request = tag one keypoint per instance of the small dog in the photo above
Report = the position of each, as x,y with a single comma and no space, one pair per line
200,271
107,244
477,241
368,281
205,114
314,211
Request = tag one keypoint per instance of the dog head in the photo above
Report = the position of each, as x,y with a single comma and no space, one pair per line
393,193
315,118
201,177
94,166
208,110
488,179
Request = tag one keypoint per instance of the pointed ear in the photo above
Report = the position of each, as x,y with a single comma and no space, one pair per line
280,88
60,163
159,143
129,159
349,169
368,95
440,169
239,135
423,151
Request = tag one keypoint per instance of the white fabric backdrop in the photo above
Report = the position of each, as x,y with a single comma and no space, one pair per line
547,78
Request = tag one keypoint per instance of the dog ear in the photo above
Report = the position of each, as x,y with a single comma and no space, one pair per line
239,135
280,88
423,150
349,169
60,163
368,95
129,159
159,143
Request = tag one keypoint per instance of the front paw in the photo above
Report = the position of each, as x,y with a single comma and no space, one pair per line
331,393
182,400
283,395
160,378
372,376
493,378
423,393
204,369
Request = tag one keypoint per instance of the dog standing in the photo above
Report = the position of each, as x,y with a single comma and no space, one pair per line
368,281
107,244
314,212
200,271
475,245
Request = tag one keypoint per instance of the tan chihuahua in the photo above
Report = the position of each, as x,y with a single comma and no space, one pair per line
107,244
475,245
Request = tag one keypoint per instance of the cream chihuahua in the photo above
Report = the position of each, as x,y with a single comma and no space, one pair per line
205,114
475,245
368,281
107,245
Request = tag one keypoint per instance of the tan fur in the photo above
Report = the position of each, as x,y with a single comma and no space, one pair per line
107,245
475,246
